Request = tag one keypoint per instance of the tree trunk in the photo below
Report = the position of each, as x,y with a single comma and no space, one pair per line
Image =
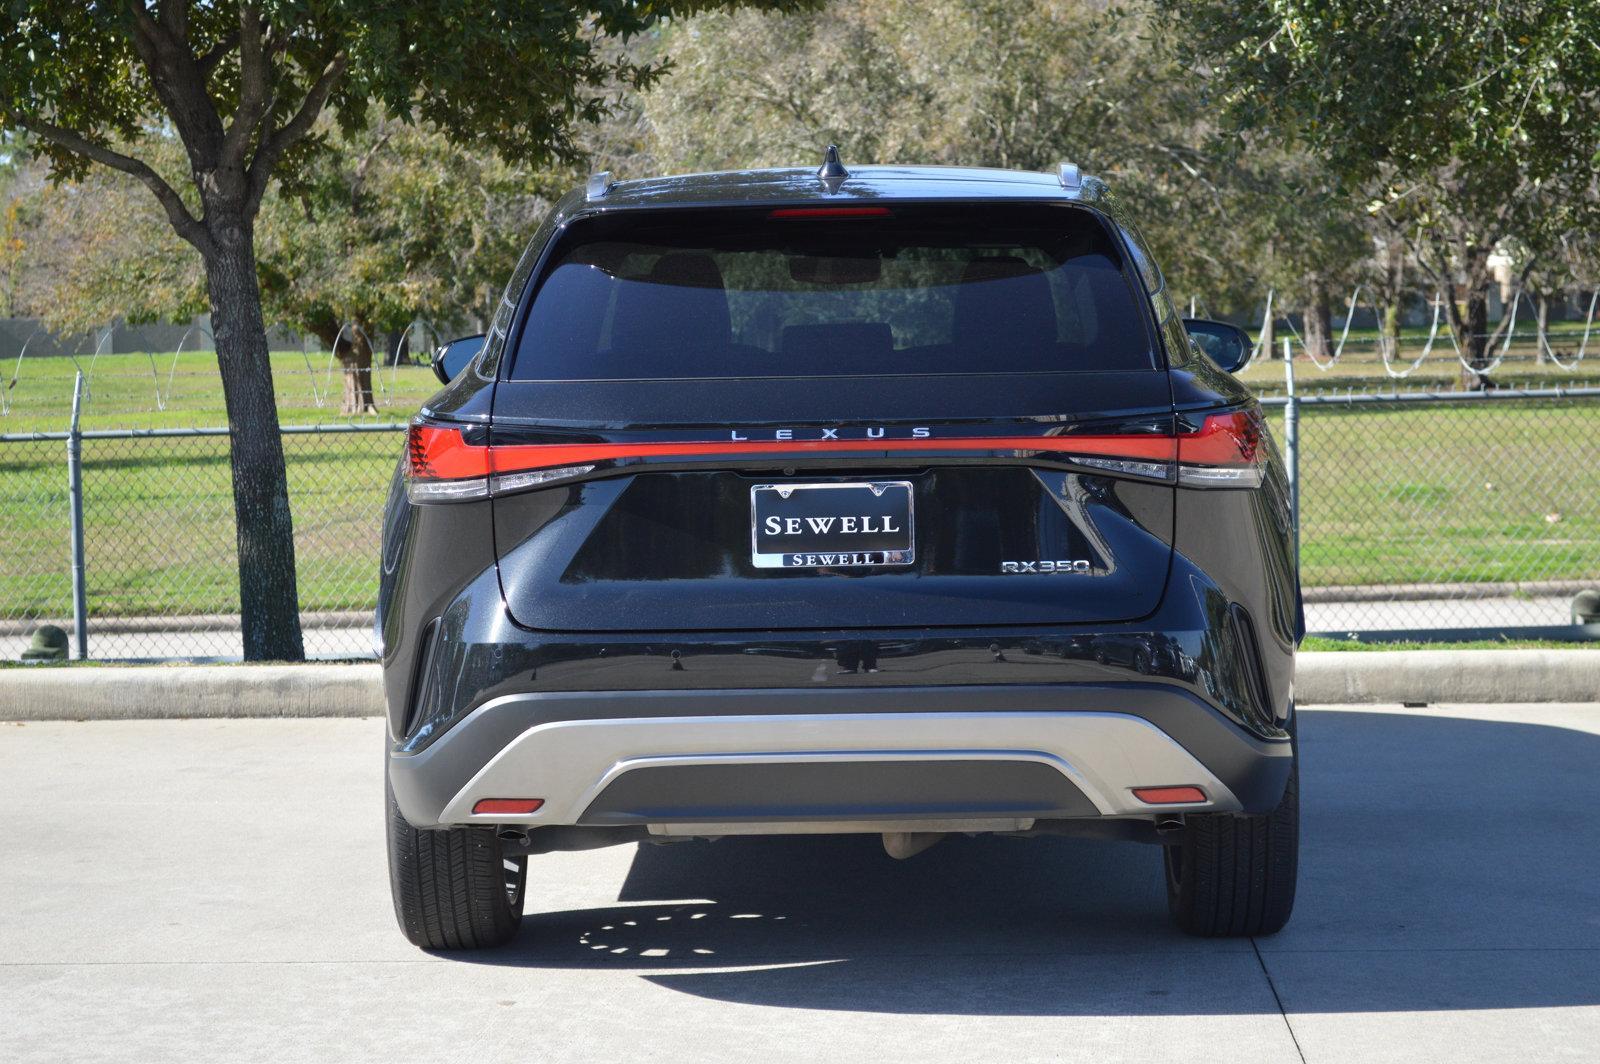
1318,320
355,357
1544,323
1469,313
1475,342
1390,325
268,600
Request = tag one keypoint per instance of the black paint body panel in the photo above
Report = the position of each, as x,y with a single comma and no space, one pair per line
1195,625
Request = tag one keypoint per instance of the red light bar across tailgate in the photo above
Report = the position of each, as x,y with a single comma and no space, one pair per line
1225,451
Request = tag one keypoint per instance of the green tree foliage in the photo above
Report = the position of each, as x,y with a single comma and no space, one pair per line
241,87
99,248
397,224
999,84
1297,226
1472,125
386,227
1021,84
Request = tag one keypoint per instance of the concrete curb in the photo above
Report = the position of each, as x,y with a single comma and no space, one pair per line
154,692
1433,676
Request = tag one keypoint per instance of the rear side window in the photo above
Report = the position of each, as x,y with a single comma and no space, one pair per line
913,290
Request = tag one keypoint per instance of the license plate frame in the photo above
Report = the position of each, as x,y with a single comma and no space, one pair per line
885,547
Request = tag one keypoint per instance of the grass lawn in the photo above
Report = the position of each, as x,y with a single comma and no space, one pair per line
158,513
1313,642
123,391
1508,491
158,524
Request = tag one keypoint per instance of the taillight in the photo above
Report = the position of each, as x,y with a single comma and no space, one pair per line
444,467
1227,452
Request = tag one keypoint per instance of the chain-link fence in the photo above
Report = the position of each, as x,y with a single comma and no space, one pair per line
1462,510
160,559
1449,511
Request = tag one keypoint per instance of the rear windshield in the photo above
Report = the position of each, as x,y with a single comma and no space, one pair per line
910,291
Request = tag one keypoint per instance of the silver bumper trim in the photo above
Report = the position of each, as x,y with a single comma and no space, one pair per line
842,827
569,763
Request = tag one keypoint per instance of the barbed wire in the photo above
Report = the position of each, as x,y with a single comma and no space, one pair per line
1386,346
1386,351
1583,344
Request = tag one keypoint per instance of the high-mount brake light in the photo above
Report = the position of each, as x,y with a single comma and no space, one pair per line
830,212
1225,452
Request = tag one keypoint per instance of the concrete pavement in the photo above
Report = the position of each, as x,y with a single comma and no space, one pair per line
210,890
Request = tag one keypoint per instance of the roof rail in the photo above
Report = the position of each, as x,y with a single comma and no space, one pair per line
599,184
1070,177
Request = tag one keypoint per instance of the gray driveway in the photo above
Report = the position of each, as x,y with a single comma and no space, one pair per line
215,891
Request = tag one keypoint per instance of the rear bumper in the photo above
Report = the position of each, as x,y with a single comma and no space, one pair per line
993,754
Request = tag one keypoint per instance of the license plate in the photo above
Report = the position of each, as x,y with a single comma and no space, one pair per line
830,526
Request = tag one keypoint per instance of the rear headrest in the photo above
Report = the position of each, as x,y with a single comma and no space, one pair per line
679,307
693,269
869,343
1003,302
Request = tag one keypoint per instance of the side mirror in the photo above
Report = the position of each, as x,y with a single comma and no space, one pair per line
1228,345
451,358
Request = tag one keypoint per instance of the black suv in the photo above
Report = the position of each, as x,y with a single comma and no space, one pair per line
895,501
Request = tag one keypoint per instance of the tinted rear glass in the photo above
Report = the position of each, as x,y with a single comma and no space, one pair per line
921,290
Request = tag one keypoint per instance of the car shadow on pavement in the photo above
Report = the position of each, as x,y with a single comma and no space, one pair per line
1447,863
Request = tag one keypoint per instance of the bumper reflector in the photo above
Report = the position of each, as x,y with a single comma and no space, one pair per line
1169,795
507,806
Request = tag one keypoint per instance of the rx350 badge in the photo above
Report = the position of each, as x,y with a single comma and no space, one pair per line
1045,565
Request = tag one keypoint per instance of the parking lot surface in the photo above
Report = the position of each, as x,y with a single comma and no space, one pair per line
216,891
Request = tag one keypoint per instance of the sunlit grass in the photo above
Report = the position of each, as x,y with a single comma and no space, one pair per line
1507,491
161,391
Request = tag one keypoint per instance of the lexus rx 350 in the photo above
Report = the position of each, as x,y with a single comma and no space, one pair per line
895,501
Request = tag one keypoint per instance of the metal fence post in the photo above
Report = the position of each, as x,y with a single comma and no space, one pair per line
1291,443
80,607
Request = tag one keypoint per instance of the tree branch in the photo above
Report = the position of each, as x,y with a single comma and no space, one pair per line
360,177
252,90
179,85
142,21
185,224
217,53
1447,292
175,16
275,142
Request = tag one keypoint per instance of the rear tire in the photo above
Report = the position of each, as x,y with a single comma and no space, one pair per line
1234,874
453,888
